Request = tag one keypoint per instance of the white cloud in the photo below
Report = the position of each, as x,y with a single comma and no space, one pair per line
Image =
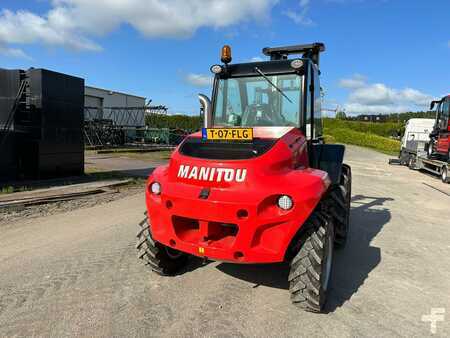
357,81
25,27
199,80
73,23
300,17
367,97
14,53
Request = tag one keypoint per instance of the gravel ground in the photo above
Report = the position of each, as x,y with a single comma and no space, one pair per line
76,274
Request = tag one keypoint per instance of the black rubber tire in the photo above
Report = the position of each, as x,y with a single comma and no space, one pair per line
403,157
444,175
308,279
163,260
340,207
430,150
412,163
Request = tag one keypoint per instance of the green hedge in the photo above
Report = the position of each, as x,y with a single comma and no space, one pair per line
185,122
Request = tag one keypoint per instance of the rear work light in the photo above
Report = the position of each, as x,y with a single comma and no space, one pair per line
285,202
155,188
216,69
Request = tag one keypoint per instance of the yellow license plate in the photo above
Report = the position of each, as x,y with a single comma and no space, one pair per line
232,134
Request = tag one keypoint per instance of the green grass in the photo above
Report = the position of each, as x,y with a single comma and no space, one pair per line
10,189
385,129
362,139
7,190
373,135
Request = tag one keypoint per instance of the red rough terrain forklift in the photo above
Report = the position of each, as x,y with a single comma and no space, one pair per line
439,146
257,184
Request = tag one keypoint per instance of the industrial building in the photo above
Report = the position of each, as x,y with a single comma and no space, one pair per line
99,97
113,118
105,104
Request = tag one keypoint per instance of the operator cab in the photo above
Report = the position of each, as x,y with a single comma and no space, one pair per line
440,136
442,113
281,92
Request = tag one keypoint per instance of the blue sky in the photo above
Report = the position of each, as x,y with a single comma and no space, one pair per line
382,55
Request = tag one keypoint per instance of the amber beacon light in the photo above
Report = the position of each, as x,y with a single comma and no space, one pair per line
226,54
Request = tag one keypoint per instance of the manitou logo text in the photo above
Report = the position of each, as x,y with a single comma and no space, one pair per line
212,174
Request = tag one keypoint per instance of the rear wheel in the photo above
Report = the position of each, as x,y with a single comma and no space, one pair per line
403,158
430,150
444,175
412,163
310,272
160,258
340,206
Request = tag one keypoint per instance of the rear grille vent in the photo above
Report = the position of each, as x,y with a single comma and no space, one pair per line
215,150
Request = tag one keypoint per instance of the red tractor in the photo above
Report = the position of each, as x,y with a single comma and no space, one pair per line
439,145
257,184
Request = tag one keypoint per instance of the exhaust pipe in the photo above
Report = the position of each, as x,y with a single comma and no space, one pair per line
206,106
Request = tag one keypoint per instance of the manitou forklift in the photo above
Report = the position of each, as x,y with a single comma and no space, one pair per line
257,184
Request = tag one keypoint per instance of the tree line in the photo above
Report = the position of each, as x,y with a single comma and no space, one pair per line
392,117
194,123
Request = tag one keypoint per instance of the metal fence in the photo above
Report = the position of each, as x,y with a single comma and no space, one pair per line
116,126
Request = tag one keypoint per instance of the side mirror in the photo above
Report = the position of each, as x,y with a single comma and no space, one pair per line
206,107
432,105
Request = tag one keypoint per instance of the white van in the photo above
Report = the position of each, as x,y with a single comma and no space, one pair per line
417,135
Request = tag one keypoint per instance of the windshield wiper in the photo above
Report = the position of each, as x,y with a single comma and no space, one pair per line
272,84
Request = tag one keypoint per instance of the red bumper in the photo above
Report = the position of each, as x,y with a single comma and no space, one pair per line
231,225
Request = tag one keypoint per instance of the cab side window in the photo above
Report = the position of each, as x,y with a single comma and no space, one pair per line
317,103
309,95
444,114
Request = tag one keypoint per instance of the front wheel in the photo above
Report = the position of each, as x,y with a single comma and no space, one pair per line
310,272
161,259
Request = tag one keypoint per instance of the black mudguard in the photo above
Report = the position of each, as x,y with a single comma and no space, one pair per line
329,158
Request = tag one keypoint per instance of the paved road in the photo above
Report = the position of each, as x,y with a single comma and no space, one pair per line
76,274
